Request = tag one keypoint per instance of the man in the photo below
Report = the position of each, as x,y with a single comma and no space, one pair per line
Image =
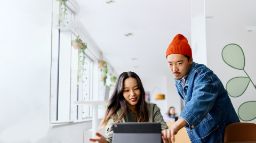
208,109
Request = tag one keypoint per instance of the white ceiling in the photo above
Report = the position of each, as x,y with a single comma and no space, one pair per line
153,23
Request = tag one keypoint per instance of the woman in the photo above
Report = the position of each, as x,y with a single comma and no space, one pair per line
128,104
171,115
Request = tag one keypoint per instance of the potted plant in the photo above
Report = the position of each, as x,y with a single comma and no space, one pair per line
81,46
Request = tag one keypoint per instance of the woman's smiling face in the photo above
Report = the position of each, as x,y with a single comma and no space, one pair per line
131,91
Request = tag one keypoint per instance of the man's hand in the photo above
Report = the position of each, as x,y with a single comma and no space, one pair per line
180,123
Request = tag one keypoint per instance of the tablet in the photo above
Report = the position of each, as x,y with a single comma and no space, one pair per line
136,132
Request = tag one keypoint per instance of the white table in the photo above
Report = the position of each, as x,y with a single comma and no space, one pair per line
95,105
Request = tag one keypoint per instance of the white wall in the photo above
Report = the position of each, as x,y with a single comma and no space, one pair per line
164,85
25,54
25,51
222,23
228,24
198,39
172,98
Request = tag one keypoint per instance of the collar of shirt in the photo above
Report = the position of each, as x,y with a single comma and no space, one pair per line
183,81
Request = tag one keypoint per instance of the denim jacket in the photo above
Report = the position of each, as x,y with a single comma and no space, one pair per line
208,108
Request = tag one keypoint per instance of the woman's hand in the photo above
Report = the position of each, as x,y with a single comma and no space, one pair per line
99,138
166,136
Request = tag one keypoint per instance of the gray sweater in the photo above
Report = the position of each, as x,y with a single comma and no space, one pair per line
154,116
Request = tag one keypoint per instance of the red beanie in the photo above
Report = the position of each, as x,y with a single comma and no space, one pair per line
179,45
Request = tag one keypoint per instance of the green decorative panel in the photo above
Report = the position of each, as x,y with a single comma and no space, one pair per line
237,86
247,111
233,56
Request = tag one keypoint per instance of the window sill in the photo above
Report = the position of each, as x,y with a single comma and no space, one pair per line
68,123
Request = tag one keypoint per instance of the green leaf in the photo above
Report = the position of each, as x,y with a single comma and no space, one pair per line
237,86
233,55
246,111
113,78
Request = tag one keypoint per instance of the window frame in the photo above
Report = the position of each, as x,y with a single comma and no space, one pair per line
64,73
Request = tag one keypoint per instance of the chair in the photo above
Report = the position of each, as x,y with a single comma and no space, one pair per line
240,133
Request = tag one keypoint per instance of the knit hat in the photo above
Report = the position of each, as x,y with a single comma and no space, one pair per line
179,45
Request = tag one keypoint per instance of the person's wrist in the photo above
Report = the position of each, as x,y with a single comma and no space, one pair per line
175,128
180,123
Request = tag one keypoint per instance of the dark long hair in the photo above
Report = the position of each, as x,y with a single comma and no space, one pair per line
117,101
168,112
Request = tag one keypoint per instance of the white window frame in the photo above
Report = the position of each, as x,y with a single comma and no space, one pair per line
66,90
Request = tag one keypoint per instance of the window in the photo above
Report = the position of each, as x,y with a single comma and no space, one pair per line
85,90
72,73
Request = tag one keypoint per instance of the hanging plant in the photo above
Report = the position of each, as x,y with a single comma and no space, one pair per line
78,43
102,64
62,2
110,79
104,70
81,46
107,75
63,6
113,79
62,12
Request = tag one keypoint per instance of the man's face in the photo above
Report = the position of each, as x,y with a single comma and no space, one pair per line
179,65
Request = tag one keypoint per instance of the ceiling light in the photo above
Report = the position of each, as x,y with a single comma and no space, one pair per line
134,59
128,34
209,17
251,28
159,96
110,1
